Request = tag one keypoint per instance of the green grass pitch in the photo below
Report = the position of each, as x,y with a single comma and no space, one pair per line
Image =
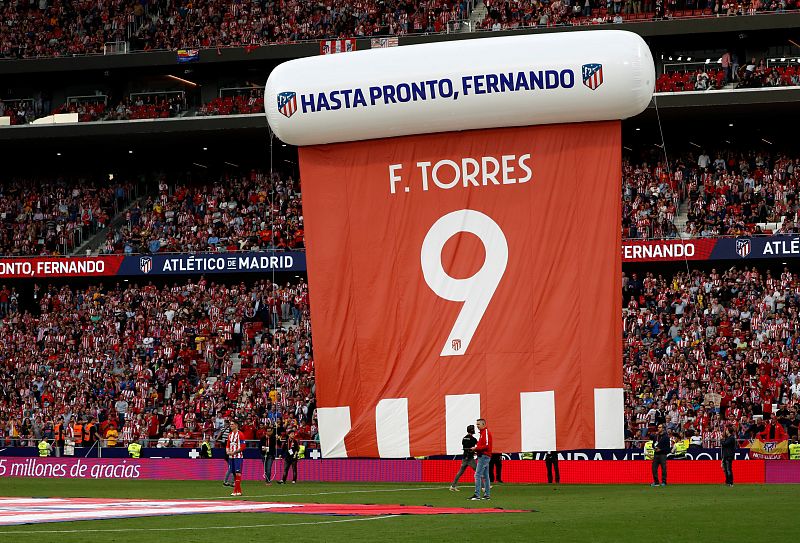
585,513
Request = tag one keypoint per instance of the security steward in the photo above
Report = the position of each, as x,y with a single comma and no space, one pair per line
44,448
794,450
206,450
77,428
134,450
649,449
680,448
58,432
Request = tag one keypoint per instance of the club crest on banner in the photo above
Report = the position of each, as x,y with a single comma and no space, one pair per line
287,103
743,247
592,75
145,264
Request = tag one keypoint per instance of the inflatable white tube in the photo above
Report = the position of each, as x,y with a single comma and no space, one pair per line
460,85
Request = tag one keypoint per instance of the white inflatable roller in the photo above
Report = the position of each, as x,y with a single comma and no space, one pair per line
460,85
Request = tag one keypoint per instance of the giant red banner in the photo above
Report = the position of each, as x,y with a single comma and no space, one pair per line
463,275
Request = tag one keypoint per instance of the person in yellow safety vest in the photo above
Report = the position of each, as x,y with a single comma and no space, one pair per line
302,452
649,450
134,450
44,448
680,448
794,451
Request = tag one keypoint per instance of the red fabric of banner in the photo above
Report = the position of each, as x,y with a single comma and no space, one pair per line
484,266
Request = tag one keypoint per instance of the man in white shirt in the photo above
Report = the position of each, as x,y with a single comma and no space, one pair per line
795,389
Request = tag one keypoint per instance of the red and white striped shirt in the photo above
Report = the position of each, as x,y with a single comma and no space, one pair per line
235,442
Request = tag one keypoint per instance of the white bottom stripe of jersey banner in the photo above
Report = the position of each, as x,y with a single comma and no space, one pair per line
537,419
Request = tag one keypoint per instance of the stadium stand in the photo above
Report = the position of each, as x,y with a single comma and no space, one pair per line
148,105
42,29
167,363
42,217
71,28
508,15
733,194
231,213
753,74
700,348
704,348
240,101
194,351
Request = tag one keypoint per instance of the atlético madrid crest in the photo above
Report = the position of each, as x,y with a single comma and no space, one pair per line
743,247
145,264
592,75
287,103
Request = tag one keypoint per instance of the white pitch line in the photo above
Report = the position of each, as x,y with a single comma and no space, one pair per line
189,528
325,493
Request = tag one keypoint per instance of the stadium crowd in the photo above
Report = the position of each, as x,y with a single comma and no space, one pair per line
703,349
749,75
248,212
250,101
46,28
54,28
170,363
510,14
729,195
45,217
158,363
149,105
141,362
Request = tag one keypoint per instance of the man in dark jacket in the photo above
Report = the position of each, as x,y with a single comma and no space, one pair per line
468,459
662,447
551,463
291,455
728,454
268,449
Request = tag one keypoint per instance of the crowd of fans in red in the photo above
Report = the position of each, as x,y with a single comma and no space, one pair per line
730,195
703,350
142,106
43,217
156,363
48,28
247,212
154,105
753,74
151,106
87,111
693,80
19,111
510,14
239,104
159,363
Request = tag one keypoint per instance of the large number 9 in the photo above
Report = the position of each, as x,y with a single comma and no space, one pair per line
476,292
